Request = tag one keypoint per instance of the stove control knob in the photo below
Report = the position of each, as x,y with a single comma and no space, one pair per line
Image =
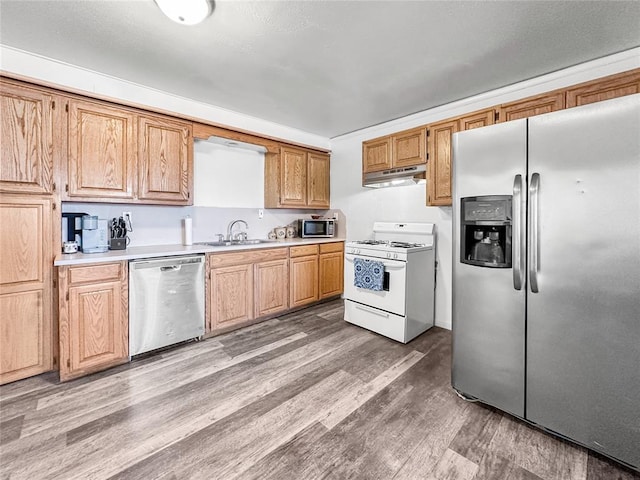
388,255
356,251
395,255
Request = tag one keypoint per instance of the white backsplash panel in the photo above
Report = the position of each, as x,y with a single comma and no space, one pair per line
162,225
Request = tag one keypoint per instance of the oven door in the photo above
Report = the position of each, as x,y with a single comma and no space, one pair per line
391,299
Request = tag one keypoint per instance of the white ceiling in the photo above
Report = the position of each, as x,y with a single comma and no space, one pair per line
325,67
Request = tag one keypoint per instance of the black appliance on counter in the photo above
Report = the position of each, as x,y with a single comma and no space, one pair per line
72,228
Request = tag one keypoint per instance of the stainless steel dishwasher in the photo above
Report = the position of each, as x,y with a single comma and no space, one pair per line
166,302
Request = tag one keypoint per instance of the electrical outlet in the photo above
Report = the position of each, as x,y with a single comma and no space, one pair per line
260,213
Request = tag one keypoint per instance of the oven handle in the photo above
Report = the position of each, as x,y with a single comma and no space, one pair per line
386,265
372,310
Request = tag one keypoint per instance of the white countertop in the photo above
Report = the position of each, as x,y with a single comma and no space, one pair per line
154,251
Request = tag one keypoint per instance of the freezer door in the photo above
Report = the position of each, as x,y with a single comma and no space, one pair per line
488,312
583,351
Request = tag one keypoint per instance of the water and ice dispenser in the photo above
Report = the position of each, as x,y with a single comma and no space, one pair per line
486,231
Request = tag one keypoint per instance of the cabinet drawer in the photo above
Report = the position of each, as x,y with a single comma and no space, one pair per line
246,256
331,247
303,250
90,273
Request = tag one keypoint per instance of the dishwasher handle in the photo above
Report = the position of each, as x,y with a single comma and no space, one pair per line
171,268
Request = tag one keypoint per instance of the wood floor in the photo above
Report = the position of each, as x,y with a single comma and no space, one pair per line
304,396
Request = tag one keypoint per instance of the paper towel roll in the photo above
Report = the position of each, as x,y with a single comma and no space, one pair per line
187,231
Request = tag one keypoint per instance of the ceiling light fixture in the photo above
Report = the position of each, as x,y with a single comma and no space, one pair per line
185,12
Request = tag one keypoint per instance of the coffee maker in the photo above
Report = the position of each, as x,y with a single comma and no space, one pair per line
72,228
95,234
485,231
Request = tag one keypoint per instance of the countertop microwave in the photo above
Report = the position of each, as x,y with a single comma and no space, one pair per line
321,228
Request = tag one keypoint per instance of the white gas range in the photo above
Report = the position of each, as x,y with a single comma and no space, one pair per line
399,302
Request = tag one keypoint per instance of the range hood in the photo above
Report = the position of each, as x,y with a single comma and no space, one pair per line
395,177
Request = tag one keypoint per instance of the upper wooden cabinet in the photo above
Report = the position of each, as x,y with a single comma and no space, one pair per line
478,119
318,182
376,155
440,157
296,178
26,260
409,148
604,89
165,160
293,177
117,154
102,151
529,107
26,140
402,149
94,318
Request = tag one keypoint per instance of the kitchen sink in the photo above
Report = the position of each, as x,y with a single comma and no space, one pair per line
249,241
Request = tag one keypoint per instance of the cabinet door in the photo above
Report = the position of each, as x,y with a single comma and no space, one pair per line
409,148
26,140
376,155
293,177
231,295
331,274
439,182
271,287
98,333
318,180
25,287
528,107
165,160
604,89
303,280
477,119
102,151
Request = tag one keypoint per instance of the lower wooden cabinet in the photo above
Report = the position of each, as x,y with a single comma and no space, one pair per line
331,270
231,295
315,272
271,287
303,275
245,285
94,320
26,300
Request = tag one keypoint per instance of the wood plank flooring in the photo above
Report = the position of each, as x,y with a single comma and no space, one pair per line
303,396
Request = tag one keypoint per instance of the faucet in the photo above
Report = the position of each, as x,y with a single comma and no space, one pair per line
230,229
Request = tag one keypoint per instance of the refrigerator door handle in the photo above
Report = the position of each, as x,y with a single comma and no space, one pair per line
534,225
519,238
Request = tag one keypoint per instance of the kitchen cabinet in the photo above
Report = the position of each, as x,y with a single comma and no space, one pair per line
231,295
246,285
478,119
296,178
26,139
376,155
119,155
303,275
26,304
165,160
440,157
402,149
330,270
102,152
528,107
93,318
318,185
606,88
271,287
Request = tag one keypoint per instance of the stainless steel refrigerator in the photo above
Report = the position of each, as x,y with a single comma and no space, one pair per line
546,272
